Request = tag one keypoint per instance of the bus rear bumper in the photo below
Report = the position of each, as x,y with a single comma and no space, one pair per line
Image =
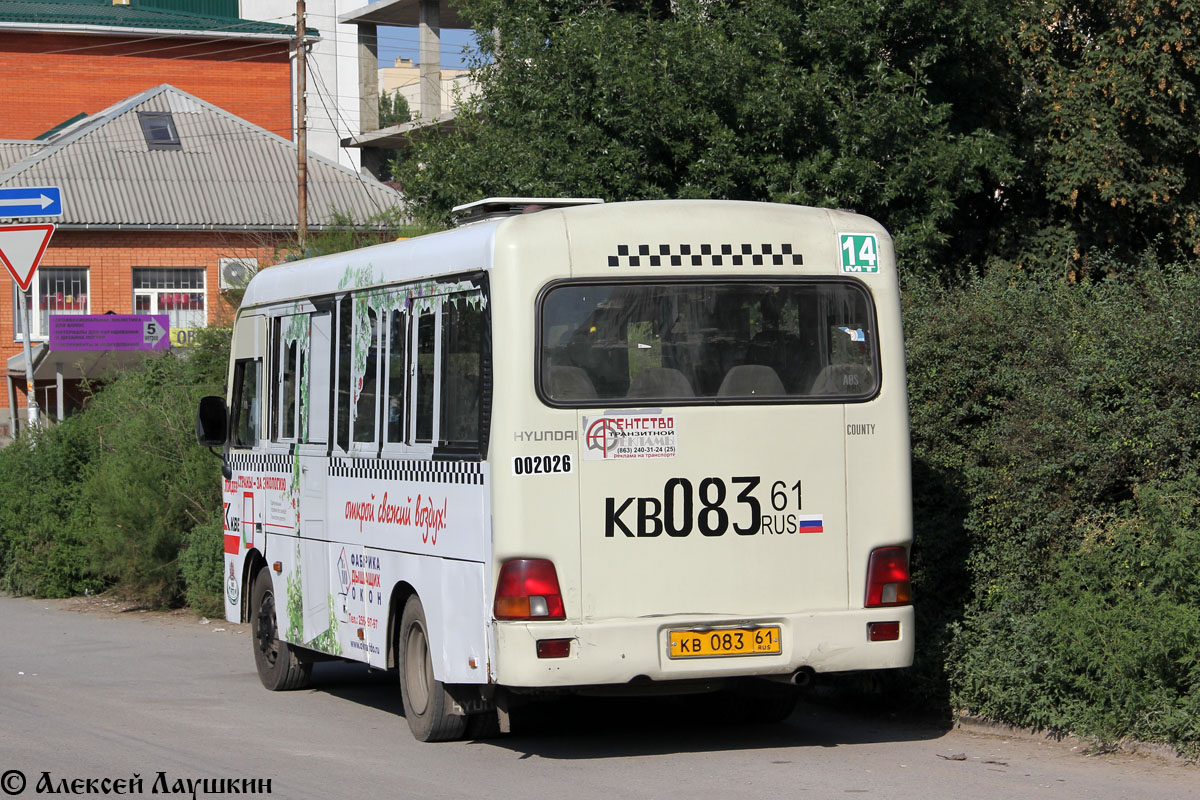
624,650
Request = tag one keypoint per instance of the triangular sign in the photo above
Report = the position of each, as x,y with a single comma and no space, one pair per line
22,248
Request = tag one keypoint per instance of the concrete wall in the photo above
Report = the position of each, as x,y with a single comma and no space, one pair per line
332,94
405,76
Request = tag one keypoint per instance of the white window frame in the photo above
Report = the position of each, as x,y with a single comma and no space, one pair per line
154,295
35,288
414,381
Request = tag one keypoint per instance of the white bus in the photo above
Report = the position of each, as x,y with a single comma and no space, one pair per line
649,446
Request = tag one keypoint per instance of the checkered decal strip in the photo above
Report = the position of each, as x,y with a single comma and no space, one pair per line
705,255
261,462
461,472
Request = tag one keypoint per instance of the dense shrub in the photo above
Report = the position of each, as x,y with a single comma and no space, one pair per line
43,519
150,483
1121,626
108,497
202,563
1046,418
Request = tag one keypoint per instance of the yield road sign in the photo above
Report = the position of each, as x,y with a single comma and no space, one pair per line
31,201
22,248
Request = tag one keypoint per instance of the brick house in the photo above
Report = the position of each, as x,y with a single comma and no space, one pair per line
65,59
161,193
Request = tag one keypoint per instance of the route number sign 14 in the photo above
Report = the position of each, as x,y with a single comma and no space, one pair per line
860,252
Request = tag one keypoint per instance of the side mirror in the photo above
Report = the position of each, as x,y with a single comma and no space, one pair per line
212,422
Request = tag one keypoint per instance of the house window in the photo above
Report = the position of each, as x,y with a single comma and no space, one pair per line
159,129
54,290
178,293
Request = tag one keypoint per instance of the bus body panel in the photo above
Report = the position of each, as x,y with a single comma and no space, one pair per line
878,448
534,514
354,590
240,514
623,651
717,528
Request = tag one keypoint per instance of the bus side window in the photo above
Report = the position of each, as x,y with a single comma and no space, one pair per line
367,384
318,375
286,388
425,377
397,375
345,348
245,403
462,355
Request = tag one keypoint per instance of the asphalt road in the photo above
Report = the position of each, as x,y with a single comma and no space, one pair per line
101,694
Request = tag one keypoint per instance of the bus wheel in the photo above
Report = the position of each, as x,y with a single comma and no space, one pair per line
278,667
427,704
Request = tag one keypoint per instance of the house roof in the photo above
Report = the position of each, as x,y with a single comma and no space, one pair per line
102,15
225,174
14,150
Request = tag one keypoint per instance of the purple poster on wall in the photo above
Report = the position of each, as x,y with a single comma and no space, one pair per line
109,332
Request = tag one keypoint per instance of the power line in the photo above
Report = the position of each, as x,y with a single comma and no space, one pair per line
127,39
268,48
321,85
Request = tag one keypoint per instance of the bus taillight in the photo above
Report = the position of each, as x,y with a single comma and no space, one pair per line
887,578
528,589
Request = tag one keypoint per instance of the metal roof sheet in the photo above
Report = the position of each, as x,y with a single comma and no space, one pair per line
12,151
106,15
226,174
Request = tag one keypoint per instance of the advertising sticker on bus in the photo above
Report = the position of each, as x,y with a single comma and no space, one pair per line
624,436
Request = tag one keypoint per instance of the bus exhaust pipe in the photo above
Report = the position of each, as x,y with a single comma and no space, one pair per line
803,676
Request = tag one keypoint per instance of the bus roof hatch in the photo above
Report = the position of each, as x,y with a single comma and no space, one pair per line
492,207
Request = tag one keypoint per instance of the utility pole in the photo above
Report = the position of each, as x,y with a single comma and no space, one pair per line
34,415
301,129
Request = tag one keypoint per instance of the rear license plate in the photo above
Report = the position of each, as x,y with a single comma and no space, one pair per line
725,642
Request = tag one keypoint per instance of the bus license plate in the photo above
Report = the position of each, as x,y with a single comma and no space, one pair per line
725,642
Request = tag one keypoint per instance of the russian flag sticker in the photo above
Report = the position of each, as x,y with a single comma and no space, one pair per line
812,523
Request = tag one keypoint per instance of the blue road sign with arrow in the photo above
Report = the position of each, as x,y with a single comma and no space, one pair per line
30,201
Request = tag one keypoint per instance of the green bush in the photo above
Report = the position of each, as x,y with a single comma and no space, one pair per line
1044,416
202,563
43,519
109,497
150,483
1122,625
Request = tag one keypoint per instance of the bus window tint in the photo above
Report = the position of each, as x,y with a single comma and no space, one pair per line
245,403
690,342
462,349
366,375
287,392
397,375
345,353
313,371
425,376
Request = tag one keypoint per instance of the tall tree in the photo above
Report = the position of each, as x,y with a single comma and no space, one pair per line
851,104
393,109
1111,106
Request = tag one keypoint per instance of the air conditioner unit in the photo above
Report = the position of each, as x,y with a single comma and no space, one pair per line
235,273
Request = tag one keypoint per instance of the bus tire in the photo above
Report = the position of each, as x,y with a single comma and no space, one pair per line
427,704
278,667
484,725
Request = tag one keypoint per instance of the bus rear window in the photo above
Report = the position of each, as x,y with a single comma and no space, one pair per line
732,341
